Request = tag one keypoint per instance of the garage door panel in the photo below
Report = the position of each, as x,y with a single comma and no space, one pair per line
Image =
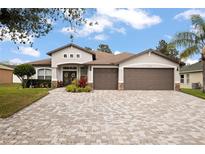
149,78
105,78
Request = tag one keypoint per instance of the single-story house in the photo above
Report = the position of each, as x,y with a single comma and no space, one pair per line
148,70
6,74
191,76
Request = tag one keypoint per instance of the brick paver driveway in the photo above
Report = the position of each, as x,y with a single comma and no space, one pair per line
108,117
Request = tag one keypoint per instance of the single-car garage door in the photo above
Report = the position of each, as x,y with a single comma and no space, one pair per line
105,78
149,79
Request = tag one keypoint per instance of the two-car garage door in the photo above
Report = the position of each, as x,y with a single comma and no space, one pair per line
148,79
134,78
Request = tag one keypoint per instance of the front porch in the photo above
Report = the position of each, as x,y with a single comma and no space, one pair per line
66,73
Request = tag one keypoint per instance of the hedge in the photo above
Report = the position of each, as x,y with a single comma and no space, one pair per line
37,83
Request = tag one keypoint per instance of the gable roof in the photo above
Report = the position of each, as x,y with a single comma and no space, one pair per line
196,67
43,62
155,52
111,59
5,67
70,45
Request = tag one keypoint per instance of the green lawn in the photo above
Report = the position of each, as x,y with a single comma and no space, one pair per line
194,92
14,98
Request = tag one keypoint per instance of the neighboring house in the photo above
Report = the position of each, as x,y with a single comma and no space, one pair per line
6,74
191,76
148,70
15,78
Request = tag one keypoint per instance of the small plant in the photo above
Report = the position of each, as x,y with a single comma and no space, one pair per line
82,83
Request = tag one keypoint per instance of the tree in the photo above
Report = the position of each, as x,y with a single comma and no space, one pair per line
24,71
21,25
104,48
88,48
168,49
193,41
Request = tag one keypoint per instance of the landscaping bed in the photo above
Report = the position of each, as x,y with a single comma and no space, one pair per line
194,92
14,98
78,86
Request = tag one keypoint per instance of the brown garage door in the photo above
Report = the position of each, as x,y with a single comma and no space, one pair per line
149,79
105,78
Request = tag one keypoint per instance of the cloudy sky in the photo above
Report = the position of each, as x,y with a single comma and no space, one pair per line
124,30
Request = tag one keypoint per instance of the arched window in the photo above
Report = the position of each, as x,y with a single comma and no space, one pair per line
44,74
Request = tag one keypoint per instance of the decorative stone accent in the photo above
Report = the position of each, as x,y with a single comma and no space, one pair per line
177,86
120,86
91,85
54,84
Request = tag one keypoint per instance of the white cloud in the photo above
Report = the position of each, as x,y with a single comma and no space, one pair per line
120,30
101,37
187,14
17,61
190,61
102,23
29,51
137,18
108,18
116,52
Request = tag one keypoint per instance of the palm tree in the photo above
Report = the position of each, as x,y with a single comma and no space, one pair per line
193,41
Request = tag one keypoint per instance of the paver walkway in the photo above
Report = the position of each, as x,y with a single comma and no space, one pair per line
108,117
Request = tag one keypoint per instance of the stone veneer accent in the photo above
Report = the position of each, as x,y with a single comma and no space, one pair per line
54,84
120,86
91,85
177,86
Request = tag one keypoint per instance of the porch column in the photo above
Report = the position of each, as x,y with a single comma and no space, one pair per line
90,76
120,78
54,77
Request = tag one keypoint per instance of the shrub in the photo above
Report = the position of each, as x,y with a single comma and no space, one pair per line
87,88
71,88
74,82
37,83
82,83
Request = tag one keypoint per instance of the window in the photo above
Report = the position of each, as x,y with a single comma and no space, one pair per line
78,55
182,78
47,74
65,55
71,55
83,72
44,74
187,78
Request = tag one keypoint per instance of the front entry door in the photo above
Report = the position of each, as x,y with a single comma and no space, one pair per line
68,77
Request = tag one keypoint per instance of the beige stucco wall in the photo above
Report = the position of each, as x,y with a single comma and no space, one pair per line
16,79
148,60
194,77
57,58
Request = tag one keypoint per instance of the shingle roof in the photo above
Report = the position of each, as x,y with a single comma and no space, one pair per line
5,67
102,55
155,52
43,62
197,67
111,59
69,45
